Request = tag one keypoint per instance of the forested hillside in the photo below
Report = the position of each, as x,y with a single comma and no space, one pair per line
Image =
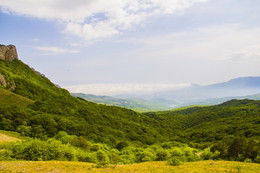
213,123
34,107
54,110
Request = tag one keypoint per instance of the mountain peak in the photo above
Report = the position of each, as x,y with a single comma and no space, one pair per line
8,53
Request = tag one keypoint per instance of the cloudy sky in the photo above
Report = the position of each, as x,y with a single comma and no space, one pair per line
104,47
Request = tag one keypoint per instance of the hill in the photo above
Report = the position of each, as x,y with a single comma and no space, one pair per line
74,128
212,123
54,110
140,105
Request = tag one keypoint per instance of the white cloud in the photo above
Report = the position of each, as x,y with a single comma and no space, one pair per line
220,42
95,19
117,89
50,50
246,54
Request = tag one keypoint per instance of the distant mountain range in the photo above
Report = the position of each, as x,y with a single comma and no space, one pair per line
239,88
244,87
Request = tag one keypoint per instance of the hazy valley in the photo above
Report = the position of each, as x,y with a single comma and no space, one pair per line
239,88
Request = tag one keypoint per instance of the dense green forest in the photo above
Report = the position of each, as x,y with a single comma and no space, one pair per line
63,127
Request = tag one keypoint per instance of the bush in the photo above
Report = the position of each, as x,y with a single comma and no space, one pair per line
247,160
176,152
64,137
145,156
5,154
175,161
42,150
114,156
102,158
87,157
122,145
81,142
257,159
206,154
162,155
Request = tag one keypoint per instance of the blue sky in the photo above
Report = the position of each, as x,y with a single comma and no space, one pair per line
108,47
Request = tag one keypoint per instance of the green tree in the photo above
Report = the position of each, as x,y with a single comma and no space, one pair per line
102,158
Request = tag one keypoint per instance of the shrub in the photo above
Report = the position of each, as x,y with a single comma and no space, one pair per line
102,158
247,160
64,137
175,161
257,159
5,154
145,156
114,156
81,142
122,145
206,154
162,155
176,152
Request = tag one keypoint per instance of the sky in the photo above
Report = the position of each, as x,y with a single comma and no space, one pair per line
122,46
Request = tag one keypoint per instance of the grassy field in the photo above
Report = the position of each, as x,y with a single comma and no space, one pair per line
6,136
148,167
9,98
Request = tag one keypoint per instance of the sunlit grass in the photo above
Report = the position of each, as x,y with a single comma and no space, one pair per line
9,98
8,137
148,167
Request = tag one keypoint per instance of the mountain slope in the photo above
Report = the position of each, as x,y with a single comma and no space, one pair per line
211,123
56,110
25,81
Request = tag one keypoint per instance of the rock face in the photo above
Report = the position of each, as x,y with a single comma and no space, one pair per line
8,53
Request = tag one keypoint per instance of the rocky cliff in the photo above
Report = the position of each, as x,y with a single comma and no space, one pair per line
8,53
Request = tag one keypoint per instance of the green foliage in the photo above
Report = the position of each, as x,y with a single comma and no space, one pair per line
146,155
162,155
64,137
102,158
240,149
5,154
175,161
69,128
114,156
81,142
212,123
122,144
257,159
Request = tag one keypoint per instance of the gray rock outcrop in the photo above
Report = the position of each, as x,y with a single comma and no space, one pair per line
8,53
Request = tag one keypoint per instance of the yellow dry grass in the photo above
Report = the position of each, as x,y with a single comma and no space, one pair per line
148,167
6,138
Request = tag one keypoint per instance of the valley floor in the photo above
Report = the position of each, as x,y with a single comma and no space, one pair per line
148,167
